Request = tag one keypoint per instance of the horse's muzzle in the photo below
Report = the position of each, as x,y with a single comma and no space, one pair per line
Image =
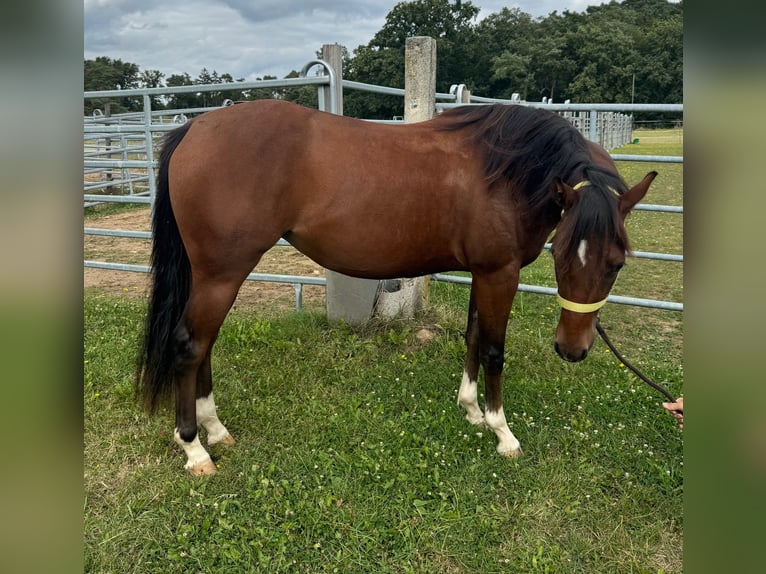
571,355
574,336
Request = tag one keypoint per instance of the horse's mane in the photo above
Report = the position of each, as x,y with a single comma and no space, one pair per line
529,149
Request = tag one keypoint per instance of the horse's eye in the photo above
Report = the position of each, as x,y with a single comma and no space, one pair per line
616,268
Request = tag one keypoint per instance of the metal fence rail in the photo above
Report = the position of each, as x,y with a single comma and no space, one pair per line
541,290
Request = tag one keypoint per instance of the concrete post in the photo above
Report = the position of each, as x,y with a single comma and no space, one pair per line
333,55
419,78
403,297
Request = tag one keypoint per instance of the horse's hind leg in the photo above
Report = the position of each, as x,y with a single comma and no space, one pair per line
209,302
206,409
468,393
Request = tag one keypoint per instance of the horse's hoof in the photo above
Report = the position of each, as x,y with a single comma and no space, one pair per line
202,469
511,453
225,440
228,440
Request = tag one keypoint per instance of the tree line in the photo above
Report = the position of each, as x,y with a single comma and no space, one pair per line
620,52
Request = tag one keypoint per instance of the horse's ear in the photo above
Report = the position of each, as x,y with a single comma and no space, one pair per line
564,195
630,198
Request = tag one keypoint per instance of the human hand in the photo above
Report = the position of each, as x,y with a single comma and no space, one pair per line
677,410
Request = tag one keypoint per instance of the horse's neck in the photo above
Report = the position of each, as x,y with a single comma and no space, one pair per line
536,228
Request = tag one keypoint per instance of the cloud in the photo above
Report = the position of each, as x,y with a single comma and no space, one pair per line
270,10
245,38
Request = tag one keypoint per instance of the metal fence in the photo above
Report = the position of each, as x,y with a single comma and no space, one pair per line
119,159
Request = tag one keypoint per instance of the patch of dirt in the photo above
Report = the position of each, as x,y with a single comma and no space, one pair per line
278,260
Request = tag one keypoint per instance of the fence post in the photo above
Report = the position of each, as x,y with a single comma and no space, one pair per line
593,131
403,297
333,55
108,146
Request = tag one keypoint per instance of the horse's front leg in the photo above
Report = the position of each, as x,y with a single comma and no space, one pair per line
494,296
467,396
494,416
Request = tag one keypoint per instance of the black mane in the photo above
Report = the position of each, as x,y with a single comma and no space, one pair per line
529,149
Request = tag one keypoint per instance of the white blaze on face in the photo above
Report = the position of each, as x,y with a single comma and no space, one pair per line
582,251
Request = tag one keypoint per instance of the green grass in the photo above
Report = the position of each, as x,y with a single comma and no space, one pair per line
353,456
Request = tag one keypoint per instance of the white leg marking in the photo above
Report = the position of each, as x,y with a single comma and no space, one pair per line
582,251
208,418
195,452
508,444
467,397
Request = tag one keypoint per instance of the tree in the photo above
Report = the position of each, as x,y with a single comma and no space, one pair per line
660,65
551,62
182,100
103,73
376,66
607,56
499,43
514,68
215,98
381,62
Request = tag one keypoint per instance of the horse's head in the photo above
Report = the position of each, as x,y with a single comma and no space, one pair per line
589,249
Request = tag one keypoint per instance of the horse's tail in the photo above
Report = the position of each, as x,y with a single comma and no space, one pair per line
171,280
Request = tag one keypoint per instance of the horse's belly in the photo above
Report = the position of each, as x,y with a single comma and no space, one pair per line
378,257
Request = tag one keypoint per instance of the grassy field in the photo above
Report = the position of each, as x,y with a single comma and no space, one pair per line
353,456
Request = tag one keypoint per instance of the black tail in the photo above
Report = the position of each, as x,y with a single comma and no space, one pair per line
170,288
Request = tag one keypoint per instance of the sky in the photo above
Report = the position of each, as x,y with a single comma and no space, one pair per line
248,38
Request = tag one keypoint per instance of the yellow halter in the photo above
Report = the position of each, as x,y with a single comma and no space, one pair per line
580,307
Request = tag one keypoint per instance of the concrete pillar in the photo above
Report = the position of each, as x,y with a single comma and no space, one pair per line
419,78
333,55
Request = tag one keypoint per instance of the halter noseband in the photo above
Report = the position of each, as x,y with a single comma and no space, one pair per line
571,305
580,307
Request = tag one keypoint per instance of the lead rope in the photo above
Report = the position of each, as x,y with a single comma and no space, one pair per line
638,373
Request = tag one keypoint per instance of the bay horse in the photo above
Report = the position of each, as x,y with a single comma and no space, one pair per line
477,188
